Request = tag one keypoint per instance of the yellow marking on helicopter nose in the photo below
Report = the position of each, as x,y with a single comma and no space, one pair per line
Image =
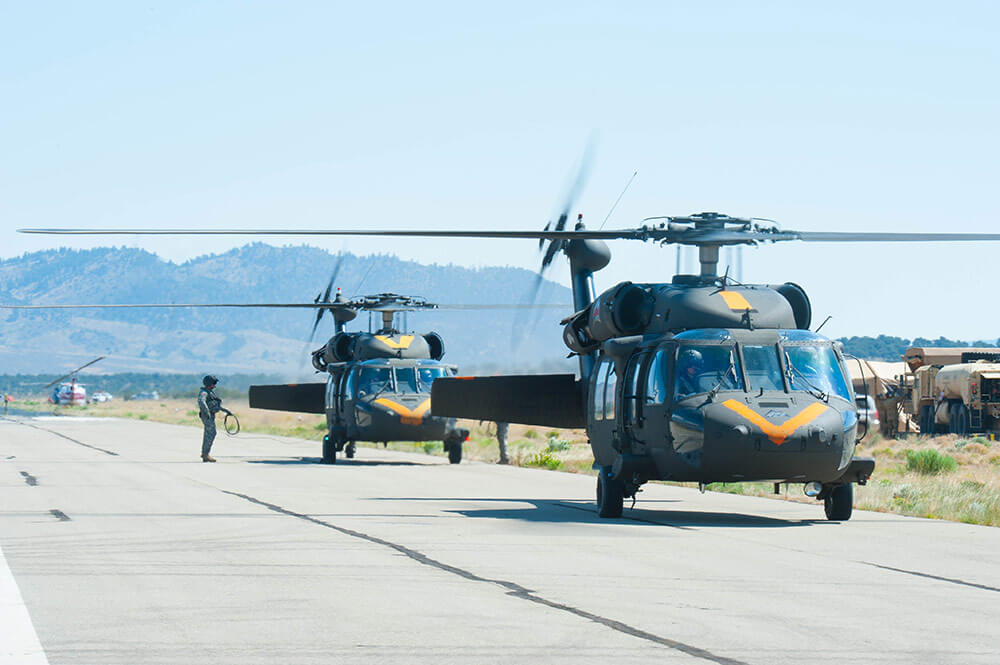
407,416
403,343
777,433
735,301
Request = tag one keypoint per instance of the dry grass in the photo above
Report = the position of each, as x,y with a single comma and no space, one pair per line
970,493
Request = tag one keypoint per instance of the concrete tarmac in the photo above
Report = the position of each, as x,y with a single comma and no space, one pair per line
125,548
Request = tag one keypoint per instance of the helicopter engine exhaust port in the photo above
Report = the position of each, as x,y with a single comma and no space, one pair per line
797,298
623,310
435,344
340,348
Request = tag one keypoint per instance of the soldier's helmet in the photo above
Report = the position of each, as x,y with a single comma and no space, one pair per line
690,358
209,381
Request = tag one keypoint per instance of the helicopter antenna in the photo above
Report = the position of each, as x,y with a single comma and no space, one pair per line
627,185
824,323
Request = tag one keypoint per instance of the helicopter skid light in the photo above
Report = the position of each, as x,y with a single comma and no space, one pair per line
812,489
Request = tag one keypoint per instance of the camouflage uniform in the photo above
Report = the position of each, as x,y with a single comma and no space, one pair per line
209,404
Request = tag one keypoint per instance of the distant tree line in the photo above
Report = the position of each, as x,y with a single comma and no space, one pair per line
886,347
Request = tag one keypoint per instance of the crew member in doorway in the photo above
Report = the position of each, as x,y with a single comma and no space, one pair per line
209,404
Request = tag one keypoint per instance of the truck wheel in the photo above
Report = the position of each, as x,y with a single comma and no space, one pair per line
839,503
349,450
610,494
926,423
454,449
329,450
960,416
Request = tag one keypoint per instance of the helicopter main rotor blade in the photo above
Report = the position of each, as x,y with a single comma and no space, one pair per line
847,236
309,305
320,306
66,376
424,233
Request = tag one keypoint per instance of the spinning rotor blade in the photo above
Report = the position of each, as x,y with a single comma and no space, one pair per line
326,296
66,376
827,236
320,306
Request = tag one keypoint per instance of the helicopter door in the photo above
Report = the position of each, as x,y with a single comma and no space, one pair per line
656,397
346,396
631,405
602,421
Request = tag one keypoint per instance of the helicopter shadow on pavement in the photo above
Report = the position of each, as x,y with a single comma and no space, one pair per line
557,511
293,461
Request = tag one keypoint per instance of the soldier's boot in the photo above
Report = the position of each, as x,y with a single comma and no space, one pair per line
207,458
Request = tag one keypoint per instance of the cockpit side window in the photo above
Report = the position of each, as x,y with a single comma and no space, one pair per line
703,368
814,368
657,375
601,374
763,368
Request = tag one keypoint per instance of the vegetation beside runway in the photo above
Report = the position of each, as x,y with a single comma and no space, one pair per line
944,477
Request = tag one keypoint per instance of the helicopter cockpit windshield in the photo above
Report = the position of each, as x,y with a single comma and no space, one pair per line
815,368
705,368
374,380
800,361
426,376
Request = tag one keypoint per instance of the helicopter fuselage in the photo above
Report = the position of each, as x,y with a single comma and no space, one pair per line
386,399
722,405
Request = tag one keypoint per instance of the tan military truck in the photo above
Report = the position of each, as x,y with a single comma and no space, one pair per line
959,398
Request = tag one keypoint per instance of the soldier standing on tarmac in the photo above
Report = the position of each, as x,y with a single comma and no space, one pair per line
208,405
502,429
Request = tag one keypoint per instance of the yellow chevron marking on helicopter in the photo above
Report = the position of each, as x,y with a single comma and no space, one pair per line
777,433
735,301
406,416
403,343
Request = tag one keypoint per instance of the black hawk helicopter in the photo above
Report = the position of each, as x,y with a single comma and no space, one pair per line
698,379
378,385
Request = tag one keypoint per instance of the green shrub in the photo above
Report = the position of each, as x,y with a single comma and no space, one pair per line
320,427
556,445
193,412
544,459
143,416
553,434
929,462
530,434
430,447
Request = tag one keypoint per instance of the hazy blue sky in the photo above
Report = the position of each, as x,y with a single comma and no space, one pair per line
853,116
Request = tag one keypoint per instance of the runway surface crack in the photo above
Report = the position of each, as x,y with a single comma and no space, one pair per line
512,588
59,515
68,438
952,580
29,479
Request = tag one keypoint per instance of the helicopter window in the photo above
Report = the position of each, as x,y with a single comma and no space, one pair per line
426,376
599,385
632,392
609,393
815,369
374,379
406,380
656,377
348,391
763,368
702,369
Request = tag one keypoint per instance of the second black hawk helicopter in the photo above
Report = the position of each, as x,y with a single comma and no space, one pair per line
697,379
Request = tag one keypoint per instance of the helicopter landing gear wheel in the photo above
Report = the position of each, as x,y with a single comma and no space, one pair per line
454,449
350,450
329,450
610,494
839,503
